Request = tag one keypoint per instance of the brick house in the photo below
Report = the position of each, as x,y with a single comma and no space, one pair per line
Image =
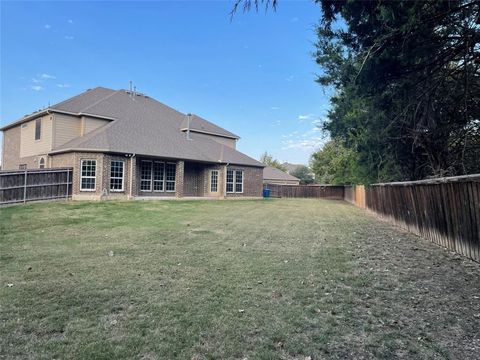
123,144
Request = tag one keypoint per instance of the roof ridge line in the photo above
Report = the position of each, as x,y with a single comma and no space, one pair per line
99,101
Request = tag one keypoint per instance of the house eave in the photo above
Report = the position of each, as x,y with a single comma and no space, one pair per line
52,111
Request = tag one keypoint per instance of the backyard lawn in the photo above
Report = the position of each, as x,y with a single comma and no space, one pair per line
275,279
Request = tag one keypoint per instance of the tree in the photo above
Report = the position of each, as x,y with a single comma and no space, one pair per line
408,85
304,174
268,160
335,164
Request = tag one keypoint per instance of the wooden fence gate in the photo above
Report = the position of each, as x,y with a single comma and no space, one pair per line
21,186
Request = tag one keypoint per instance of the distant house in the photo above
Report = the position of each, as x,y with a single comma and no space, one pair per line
292,167
123,144
273,175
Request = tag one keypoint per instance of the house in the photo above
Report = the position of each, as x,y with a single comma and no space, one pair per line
123,144
291,168
272,175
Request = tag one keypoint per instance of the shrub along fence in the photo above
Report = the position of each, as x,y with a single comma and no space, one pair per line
445,210
20,186
306,191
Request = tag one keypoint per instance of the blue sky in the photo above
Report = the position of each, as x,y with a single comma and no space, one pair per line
254,75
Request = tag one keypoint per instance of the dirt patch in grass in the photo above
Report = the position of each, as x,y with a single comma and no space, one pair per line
280,279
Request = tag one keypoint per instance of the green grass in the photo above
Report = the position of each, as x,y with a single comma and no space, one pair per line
276,279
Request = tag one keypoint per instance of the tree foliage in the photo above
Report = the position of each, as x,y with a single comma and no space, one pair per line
335,164
407,82
268,160
303,173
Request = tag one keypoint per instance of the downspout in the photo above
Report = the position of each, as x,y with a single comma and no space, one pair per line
132,158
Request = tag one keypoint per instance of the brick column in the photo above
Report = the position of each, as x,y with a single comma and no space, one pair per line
222,178
179,175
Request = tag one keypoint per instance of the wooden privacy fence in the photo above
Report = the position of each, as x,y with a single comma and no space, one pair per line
355,194
306,191
33,185
445,211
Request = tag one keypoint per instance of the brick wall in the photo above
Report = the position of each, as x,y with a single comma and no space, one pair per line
252,181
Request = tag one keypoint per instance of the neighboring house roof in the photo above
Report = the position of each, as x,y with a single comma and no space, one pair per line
291,167
142,125
271,173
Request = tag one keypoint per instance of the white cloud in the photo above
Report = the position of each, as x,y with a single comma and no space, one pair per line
275,108
47,76
35,80
47,26
276,123
306,117
290,78
294,19
37,87
69,37
70,21
63,85
307,141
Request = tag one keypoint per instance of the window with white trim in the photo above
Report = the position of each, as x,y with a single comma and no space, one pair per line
146,176
41,163
88,172
38,129
214,181
158,176
234,181
117,170
239,181
170,170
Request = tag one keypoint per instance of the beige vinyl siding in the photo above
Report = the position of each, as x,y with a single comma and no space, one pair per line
232,143
28,145
66,128
90,124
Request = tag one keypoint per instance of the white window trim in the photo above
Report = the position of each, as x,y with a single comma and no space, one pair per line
151,177
40,163
89,176
211,178
234,181
162,181
243,177
116,177
174,181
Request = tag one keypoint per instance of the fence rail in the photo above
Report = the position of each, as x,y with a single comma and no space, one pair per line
21,186
445,211
306,191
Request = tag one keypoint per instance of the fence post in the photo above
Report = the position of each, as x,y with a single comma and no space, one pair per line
68,180
25,188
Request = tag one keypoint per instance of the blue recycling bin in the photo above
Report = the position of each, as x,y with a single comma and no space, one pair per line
266,193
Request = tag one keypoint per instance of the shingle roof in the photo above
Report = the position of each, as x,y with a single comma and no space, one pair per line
271,173
144,126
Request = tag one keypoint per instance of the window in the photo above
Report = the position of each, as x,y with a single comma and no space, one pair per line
38,129
214,181
230,180
234,181
161,174
158,176
22,167
146,176
88,175
170,170
239,181
117,169
41,163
